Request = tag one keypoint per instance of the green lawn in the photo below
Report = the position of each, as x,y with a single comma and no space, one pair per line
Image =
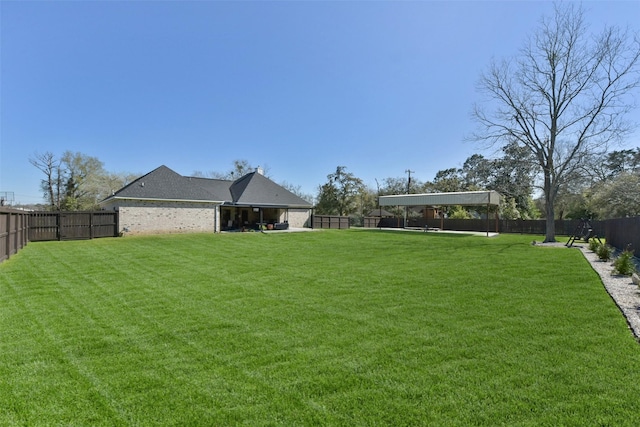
357,327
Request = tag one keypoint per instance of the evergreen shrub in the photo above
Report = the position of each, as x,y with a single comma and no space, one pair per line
604,252
624,264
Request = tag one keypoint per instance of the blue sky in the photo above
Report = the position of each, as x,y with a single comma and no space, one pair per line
297,87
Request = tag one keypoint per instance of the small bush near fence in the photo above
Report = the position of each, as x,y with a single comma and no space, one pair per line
623,264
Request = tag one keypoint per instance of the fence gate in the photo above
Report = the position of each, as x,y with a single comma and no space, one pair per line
72,225
75,226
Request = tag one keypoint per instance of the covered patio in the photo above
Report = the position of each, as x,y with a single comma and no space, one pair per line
243,218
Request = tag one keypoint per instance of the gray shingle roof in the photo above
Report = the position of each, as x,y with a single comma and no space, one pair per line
252,189
219,187
256,189
164,184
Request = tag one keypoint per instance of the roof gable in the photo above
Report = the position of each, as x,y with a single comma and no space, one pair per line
256,189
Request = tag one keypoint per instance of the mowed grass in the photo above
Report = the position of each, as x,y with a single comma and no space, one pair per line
358,327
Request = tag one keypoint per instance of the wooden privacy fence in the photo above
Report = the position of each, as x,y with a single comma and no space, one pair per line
624,232
534,226
329,221
72,225
384,222
14,225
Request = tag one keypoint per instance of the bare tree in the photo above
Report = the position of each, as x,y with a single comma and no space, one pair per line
52,183
564,97
76,181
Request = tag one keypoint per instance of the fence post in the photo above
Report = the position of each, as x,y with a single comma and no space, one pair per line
8,243
16,232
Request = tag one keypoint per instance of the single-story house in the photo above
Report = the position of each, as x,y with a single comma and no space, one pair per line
164,201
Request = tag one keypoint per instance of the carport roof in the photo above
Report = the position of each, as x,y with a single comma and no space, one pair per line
463,198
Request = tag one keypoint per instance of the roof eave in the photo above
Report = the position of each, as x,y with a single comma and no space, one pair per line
153,199
269,205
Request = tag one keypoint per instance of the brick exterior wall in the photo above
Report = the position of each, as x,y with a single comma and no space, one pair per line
145,217
298,218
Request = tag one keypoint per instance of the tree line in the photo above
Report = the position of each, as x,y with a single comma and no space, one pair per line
75,181
608,188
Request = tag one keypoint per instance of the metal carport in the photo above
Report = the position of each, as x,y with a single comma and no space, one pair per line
462,198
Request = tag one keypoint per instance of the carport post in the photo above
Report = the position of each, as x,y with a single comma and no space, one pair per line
405,217
488,219
488,204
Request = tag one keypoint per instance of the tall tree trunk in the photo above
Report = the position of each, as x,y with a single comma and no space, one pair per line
550,235
549,199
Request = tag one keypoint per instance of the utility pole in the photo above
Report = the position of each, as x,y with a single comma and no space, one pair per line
379,206
408,171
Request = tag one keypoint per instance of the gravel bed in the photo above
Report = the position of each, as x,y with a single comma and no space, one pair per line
622,290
